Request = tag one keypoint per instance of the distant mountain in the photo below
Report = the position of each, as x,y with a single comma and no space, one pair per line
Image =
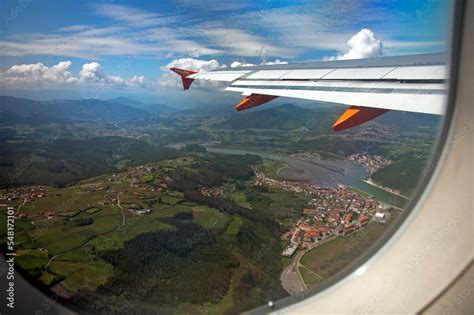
127,101
160,109
24,111
409,120
320,118
206,111
285,117
227,109
155,109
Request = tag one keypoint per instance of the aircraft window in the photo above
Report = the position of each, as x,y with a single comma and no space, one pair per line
306,134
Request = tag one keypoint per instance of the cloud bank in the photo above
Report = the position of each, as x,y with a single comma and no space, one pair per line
58,73
39,75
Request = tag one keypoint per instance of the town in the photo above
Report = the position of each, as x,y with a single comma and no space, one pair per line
372,163
332,212
25,193
134,185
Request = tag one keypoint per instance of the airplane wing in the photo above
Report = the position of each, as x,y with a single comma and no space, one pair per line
371,87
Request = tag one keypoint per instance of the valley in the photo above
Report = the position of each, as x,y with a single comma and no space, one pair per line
121,211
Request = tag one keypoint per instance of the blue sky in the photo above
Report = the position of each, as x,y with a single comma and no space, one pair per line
54,48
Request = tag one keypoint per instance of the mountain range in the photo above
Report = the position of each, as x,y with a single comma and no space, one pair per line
15,110
284,117
24,111
318,119
155,109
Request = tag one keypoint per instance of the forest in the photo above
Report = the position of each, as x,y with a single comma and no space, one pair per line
64,161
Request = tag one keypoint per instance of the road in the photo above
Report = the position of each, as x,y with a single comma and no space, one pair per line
121,128
290,277
121,211
19,207
91,238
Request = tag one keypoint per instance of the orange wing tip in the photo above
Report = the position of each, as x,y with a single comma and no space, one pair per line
254,100
184,76
355,116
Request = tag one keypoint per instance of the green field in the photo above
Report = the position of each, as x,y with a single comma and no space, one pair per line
209,218
327,259
93,210
31,262
310,278
271,168
81,275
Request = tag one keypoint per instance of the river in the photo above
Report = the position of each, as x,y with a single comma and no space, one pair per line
321,172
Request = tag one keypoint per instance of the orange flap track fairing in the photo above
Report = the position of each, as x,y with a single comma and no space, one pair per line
254,100
356,115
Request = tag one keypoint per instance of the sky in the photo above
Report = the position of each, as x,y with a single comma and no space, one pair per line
102,49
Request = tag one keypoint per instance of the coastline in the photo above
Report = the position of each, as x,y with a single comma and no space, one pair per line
278,156
372,183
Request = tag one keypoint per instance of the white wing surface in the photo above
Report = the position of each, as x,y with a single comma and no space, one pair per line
371,87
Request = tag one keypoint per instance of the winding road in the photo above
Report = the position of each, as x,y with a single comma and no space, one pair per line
290,277
19,207
89,239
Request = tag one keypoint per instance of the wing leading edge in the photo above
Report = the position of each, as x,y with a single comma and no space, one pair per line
371,87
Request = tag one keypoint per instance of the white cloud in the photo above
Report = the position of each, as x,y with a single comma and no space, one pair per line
275,62
364,44
239,42
132,16
173,80
79,46
236,64
193,64
190,48
58,73
300,28
39,75
136,80
97,42
74,28
92,72
395,47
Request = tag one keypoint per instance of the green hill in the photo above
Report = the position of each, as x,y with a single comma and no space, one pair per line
24,111
284,117
409,120
403,174
155,109
63,161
